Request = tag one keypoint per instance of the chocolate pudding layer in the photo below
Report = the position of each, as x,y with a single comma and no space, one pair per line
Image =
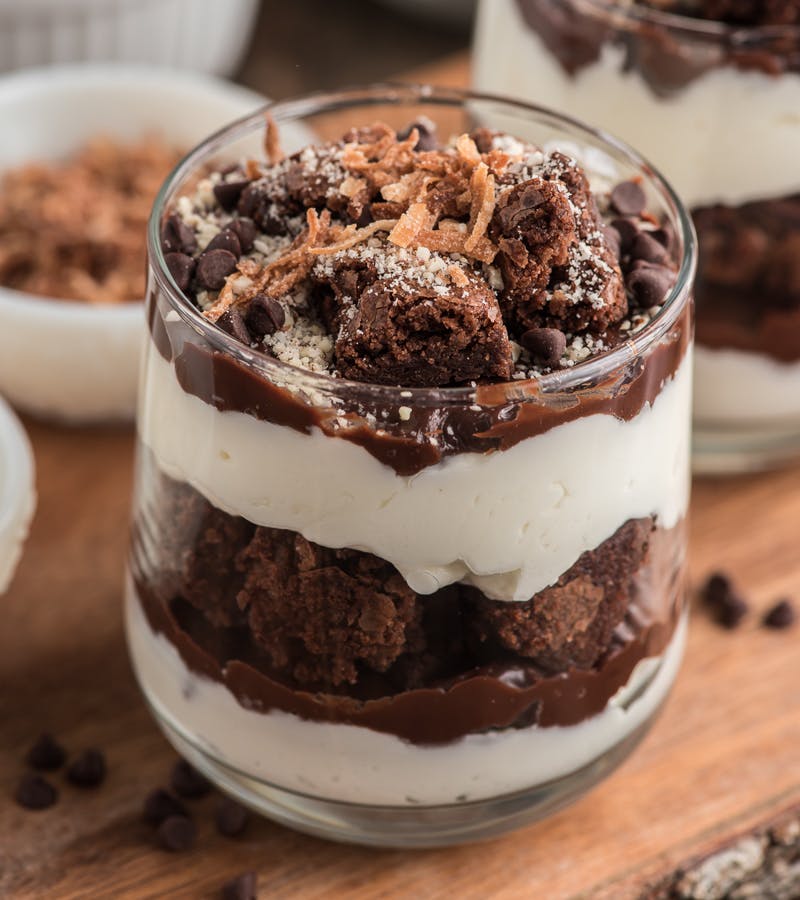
670,52
338,636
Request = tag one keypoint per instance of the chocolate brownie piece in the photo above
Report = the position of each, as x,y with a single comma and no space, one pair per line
446,331
534,227
559,268
572,622
754,248
197,552
321,614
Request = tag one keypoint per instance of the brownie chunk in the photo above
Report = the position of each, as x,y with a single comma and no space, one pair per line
312,178
534,228
407,330
321,614
559,265
198,550
572,622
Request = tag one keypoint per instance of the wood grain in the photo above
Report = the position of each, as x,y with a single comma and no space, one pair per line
722,758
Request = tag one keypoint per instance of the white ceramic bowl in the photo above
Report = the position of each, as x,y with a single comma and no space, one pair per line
202,35
17,493
68,360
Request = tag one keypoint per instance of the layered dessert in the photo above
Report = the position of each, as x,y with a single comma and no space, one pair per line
413,469
709,92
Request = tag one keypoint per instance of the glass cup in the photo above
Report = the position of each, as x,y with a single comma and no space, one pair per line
716,107
329,603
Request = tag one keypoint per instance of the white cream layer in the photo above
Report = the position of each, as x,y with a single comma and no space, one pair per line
357,765
729,136
736,388
508,522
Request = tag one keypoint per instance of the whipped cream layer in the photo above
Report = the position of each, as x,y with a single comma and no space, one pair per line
728,136
352,764
509,522
734,387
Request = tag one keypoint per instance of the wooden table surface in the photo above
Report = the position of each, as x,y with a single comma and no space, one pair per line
723,757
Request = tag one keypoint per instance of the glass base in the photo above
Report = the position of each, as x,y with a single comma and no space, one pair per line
401,826
731,450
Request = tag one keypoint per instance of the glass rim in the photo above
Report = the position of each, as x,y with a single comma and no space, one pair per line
744,35
590,370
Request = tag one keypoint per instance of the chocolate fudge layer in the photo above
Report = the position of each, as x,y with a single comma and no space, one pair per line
342,468
337,635
667,55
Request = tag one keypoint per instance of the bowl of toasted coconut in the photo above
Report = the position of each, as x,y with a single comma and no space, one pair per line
79,170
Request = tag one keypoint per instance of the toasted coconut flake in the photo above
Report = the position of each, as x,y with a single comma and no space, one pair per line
416,218
467,150
272,142
351,187
253,170
281,275
453,225
483,202
458,276
452,241
351,236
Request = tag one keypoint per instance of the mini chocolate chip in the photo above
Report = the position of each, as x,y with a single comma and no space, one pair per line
232,323
664,235
545,345
717,588
627,230
228,193
181,267
160,805
726,606
226,240
177,833
427,134
245,229
88,770
781,615
649,284
731,611
243,887
46,754
649,249
628,198
33,792
214,267
177,236
230,817
187,782
265,315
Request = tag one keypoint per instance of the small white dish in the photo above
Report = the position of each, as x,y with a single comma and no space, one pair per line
68,360
202,35
17,492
